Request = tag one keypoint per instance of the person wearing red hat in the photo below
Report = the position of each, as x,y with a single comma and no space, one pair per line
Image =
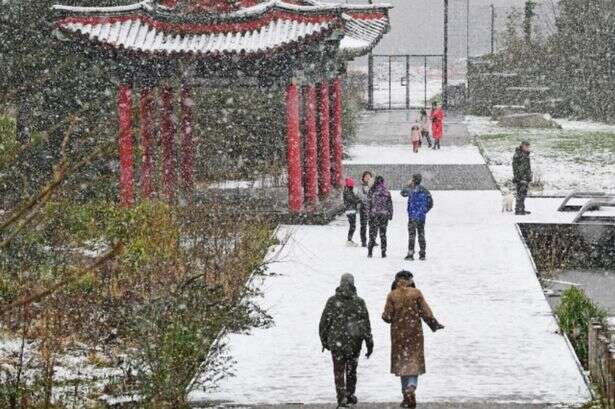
351,202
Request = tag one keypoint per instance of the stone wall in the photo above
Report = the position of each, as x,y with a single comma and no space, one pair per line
601,361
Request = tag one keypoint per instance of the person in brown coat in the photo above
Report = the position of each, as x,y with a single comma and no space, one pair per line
405,308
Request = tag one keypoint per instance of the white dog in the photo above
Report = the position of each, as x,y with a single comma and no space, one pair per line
507,200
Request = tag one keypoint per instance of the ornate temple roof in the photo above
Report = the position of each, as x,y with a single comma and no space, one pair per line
223,27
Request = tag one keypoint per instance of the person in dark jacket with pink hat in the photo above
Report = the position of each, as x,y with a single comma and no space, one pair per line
351,204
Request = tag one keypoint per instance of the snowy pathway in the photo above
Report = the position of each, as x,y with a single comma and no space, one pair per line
500,343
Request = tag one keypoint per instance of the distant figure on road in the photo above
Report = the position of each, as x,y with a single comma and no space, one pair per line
437,124
522,175
420,203
415,137
380,207
344,325
351,203
362,192
405,308
425,126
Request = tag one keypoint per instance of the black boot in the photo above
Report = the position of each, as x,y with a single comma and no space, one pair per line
352,400
384,254
369,252
409,257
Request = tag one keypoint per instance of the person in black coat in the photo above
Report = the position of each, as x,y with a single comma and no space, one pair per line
351,205
522,175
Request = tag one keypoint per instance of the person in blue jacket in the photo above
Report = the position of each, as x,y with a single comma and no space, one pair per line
420,203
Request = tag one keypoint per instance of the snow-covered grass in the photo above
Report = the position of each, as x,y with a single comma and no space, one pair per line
581,156
402,154
500,342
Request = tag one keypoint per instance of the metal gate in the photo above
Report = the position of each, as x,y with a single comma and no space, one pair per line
404,81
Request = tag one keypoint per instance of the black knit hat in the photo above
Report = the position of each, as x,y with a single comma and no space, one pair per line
404,275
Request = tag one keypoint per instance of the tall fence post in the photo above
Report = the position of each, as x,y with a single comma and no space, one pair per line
407,82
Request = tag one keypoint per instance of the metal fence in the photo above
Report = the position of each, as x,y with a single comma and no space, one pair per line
404,81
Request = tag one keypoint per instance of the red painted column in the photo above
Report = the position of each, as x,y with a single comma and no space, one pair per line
324,163
295,193
167,136
187,145
124,103
146,133
336,177
311,146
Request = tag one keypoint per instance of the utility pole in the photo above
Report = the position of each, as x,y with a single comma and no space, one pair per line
445,58
492,28
527,23
467,30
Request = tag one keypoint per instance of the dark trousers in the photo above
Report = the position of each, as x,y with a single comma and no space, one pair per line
378,225
436,143
414,227
425,134
345,375
352,221
521,195
363,219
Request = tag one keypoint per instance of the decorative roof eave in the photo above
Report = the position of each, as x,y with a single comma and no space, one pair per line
149,7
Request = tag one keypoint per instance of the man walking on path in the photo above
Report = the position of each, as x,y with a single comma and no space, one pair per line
362,193
380,207
405,308
420,203
344,325
522,175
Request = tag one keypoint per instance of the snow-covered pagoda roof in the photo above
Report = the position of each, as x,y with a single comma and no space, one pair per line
226,27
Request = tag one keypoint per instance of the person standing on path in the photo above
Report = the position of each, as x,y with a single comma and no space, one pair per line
344,325
420,203
380,207
362,193
437,124
425,126
415,137
405,308
522,175
351,202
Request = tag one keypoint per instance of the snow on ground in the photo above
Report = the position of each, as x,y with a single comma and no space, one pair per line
500,341
402,154
578,157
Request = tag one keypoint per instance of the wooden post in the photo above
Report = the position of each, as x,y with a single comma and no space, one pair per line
337,133
187,145
146,105
125,145
311,148
324,164
167,129
293,141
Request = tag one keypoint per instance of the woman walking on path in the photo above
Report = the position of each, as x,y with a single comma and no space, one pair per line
362,192
405,308
380,208
415,138
351,202
437,124
425,126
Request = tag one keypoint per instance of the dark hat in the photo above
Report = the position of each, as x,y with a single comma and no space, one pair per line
526,143
404,275
417,178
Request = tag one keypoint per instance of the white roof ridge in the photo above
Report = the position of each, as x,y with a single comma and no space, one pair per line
145,4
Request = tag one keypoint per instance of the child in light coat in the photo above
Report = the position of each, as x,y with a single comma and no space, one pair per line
415,137
425,122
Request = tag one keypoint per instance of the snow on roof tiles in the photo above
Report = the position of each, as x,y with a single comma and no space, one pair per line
145,27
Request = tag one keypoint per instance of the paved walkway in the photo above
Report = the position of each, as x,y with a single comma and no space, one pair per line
500,346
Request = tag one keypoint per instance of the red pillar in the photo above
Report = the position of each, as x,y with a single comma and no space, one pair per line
337,133
146,133
311,146
295,199
125,141
187,145
324,184
167,135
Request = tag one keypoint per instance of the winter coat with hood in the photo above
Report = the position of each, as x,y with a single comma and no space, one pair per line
351,200
437,123
344,323
420,202
405,308
379,201
522,169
